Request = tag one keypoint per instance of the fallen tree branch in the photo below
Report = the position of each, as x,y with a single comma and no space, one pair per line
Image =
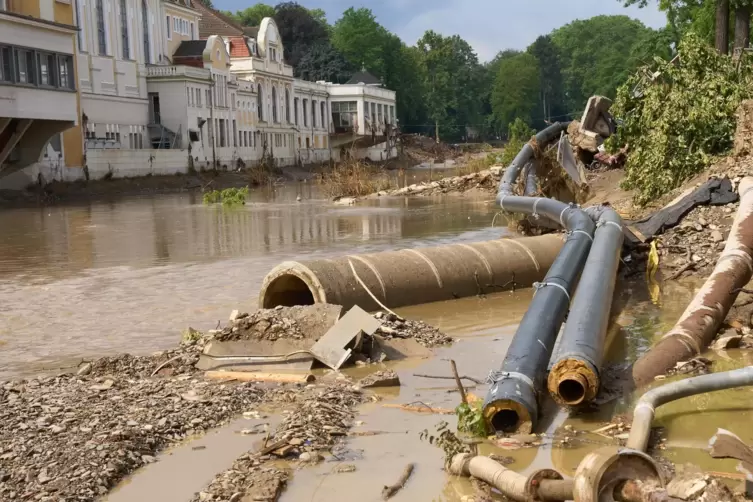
390,491
454,367
681,271
419,409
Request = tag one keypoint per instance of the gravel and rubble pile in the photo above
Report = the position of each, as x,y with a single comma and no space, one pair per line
486,180
75,437
265,324
397,327
321,417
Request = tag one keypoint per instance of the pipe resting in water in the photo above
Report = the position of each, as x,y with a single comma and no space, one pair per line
643,414
574,375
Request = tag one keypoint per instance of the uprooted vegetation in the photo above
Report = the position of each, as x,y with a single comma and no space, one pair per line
678,115
227,197
354,178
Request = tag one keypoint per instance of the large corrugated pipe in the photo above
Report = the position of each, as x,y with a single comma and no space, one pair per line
412,276
526,154
644,411
574,375
700,322
511,403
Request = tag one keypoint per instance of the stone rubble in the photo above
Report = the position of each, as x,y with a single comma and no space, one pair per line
397,327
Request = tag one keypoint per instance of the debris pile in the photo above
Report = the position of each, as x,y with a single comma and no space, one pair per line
321,417
397,327
486,180
52,446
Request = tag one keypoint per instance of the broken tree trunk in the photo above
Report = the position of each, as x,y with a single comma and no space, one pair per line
701,320
722,26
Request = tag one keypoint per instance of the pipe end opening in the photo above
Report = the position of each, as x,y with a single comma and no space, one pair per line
287,290
508,416
506,421
572,391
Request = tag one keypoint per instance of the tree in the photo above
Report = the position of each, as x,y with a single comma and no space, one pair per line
361,39
550,78
517,89
453,83
324,62
742,23
299,30
722,26
252,16
597,56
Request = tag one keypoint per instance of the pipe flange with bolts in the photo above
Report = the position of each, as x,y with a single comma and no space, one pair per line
604,471
533,483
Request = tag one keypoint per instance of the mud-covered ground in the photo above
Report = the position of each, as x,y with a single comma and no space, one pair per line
74,436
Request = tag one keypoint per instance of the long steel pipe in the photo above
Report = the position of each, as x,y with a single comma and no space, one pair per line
699,323
511,403
644,411
574,375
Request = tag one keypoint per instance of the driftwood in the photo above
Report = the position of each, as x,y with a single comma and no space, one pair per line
441,377
243,376
419,409
390,491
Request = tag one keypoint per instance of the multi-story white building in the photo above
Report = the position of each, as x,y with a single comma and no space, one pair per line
170,85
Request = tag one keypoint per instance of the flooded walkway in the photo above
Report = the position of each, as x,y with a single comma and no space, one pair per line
128,276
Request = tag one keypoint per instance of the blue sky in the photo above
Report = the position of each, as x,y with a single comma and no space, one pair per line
488,25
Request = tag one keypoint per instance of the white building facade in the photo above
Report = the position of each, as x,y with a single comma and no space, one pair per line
167,86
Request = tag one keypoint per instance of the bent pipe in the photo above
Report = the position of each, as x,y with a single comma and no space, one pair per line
574,375
412,276
700,322
511,403
545,136
644,411
537,486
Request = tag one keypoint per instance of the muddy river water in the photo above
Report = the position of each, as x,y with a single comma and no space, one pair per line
80,281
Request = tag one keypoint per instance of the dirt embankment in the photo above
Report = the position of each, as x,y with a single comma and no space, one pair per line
74,436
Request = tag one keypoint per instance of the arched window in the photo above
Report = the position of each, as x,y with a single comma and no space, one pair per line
259,101
274,104
287,106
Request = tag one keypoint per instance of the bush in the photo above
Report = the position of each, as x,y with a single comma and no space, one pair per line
228,197
677,115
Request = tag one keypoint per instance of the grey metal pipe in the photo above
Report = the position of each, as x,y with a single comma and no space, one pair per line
412,276
511,403
643,414
574,375
544,137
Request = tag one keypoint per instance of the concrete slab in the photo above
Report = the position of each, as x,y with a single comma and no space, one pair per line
335,347
253,349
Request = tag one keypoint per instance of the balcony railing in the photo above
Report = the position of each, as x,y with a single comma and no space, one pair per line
177,71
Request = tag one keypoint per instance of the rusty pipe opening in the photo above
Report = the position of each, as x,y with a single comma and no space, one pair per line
506,415
572,389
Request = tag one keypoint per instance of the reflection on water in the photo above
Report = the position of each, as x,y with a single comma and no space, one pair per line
108,277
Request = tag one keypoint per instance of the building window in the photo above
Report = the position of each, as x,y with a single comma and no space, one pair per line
193,33
65,63
25,71
324,115
287,106
47,69
6,64
101,33
313,113
145,28
80,32
305,113
124,30
295,110
274,104
259,101
169,29
344,115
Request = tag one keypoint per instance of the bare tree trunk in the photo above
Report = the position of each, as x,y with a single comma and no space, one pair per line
722,26
742,28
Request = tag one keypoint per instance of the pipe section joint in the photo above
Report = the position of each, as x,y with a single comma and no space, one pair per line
535,480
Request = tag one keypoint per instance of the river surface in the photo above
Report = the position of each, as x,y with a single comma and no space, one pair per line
80,281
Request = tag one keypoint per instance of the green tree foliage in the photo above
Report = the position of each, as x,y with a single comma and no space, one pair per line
517,89
597,56
324,62
361,39
678,116
453,80
551,89
300,31
252,16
